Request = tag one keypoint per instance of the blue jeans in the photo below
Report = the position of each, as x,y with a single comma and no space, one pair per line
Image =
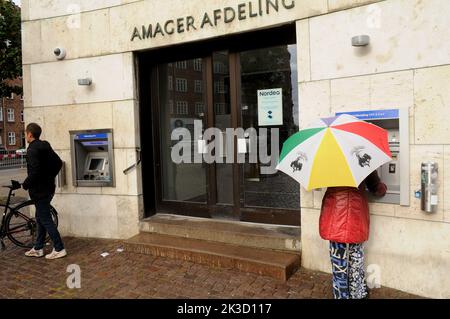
46,225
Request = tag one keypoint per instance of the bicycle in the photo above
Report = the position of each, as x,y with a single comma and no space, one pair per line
17,223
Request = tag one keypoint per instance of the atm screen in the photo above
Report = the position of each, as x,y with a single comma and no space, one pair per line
96,164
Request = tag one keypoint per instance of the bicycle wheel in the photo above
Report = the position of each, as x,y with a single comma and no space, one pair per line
21,226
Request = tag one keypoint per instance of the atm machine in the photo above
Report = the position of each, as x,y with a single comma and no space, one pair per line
390,172
92,158
394,174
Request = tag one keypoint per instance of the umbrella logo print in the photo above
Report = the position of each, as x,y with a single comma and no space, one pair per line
363,158
297,165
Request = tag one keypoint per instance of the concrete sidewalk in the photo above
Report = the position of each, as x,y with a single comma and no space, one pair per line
128,275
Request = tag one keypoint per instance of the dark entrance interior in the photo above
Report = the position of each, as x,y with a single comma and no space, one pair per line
216,83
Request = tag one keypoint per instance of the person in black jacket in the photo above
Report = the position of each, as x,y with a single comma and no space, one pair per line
41,186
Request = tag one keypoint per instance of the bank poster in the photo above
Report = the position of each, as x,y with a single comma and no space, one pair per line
270,107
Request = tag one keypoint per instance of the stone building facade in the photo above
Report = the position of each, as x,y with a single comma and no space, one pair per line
406,65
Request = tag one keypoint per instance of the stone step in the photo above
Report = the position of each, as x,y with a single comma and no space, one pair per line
280,265
275,237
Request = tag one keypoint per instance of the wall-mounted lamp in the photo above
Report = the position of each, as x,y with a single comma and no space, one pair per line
360,41
86,81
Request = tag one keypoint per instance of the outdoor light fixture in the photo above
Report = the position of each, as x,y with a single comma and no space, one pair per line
86,81
360,40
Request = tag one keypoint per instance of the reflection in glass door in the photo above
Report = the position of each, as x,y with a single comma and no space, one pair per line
271,68
222,121
182,100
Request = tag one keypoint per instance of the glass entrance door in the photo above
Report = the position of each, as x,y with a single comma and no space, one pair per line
269,103
193,98
182,102
227,91
266,73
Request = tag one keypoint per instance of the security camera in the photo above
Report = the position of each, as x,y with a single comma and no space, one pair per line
60,53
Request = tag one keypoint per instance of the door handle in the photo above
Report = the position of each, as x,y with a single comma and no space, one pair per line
138,151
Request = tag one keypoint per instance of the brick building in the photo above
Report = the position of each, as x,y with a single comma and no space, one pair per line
12,136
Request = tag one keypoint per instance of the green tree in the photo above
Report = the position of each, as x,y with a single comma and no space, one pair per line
10,47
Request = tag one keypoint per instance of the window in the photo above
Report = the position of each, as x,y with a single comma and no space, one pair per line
170,106
11,138
219,87
199,108
21,97
181,65
11,97
21,117
198,88
198,64
182,107
10,115
220,68
181,85
1,114
170,82
220,108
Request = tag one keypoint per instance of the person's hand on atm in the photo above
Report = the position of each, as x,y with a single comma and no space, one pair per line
381,190
375,185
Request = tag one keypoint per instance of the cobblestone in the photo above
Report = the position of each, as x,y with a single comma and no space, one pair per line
132,276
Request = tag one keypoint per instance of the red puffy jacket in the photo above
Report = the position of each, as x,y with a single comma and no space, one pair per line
345,211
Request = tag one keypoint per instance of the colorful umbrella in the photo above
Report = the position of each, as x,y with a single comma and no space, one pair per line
337,151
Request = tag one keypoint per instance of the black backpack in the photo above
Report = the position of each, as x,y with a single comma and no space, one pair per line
54,163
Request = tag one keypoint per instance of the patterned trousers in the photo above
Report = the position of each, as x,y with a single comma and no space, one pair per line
347,261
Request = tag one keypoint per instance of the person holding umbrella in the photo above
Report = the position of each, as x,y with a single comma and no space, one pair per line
344,221
341,153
